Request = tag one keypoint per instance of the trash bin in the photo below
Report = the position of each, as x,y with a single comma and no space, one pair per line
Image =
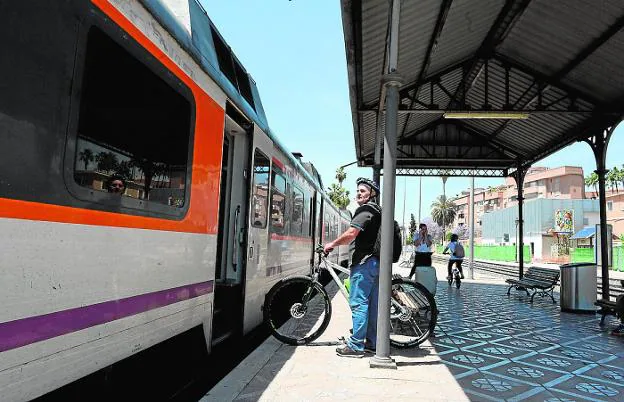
578,287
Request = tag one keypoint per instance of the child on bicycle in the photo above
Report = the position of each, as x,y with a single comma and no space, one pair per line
457,256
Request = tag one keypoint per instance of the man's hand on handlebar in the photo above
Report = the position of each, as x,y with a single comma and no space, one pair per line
328,247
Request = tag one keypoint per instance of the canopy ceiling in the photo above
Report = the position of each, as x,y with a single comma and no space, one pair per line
559,60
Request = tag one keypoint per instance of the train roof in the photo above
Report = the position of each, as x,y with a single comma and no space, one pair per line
190,25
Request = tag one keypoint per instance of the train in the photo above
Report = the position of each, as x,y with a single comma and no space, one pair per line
142,193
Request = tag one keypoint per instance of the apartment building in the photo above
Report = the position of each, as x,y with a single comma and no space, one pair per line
563,183
615,209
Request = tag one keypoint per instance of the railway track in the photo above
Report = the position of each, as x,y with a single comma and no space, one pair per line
510,271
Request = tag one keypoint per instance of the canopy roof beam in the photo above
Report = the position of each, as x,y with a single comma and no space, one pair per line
512,10
435,36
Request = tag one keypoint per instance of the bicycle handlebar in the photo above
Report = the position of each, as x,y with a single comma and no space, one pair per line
321,250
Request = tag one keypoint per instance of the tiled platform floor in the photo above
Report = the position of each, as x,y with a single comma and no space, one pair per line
504,348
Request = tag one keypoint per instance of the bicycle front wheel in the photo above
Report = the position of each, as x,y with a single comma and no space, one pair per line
297,310
413,313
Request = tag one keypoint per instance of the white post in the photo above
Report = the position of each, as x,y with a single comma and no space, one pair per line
404,230
419,198
472,228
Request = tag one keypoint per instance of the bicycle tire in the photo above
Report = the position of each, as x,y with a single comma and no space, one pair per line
285,317
457,282
420,311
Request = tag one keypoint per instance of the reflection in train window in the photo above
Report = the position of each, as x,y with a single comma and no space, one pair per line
260,189
297,212
132,126
326,226
278,201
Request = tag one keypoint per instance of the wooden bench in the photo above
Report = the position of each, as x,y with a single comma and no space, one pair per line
541,280
608,307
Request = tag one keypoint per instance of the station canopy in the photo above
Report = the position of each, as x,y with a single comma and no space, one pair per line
488,86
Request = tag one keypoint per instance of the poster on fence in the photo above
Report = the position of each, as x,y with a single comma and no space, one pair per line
564,221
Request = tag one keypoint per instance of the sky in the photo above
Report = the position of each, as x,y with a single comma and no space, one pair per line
294,50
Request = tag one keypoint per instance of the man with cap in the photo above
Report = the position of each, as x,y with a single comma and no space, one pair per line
364,277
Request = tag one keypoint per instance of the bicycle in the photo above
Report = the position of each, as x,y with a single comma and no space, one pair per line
455,276
298,309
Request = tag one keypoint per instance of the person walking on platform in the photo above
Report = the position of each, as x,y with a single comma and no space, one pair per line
364,277
422,244
457,256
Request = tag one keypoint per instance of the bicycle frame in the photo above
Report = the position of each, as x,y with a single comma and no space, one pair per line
343,289
333,274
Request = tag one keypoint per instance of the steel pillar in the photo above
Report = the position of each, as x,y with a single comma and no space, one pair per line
472,228
519,175
599,143
391,82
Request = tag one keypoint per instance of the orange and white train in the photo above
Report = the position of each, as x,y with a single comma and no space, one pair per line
213,212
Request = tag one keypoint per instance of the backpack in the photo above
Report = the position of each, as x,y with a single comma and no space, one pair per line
459,251
397,243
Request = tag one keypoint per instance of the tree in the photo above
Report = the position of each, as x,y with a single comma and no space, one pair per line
338,194
462,231
443,211
86,156
106,162
340,175
434,230
592,181
613,178
124,170
413,227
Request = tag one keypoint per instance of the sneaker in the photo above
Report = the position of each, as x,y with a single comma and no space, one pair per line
346,351
369,348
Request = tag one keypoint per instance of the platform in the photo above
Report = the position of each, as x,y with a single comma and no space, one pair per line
487,347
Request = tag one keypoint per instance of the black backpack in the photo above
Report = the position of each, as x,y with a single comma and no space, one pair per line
397,242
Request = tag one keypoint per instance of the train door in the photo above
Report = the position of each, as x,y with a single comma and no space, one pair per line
231,240
256,280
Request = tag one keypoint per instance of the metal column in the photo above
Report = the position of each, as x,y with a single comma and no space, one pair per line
472,226
604,243
392,81
599,143
519,177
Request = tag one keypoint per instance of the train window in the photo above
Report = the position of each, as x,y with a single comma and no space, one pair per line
260,189
311,216
297,211
231,68
133,130
278,201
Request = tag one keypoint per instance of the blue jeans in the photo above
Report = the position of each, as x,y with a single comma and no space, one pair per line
363,296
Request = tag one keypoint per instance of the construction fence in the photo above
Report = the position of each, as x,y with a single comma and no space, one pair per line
587,255
493,253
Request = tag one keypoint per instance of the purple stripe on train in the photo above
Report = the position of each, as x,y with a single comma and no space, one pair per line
14,334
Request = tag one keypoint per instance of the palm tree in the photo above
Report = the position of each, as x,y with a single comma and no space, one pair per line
106,162
340,176
613,178
86,156
592,181
443,211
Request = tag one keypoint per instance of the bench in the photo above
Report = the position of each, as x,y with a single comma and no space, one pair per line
541,280
608,307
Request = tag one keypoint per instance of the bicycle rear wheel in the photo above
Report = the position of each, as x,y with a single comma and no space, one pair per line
413,313
297,310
